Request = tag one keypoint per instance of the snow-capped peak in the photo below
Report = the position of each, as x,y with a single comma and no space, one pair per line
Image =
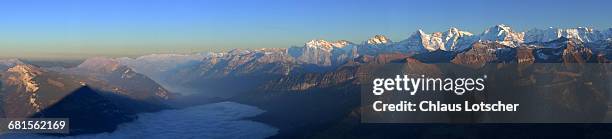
454,39
583,34
427,41
456,32
25,77
421,33
27,74
504,27
503,34
446,41
325,45
378,39
497,31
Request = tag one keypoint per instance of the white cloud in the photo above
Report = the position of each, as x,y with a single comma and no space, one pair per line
218,120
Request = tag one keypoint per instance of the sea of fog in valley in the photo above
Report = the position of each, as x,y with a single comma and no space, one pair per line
218,120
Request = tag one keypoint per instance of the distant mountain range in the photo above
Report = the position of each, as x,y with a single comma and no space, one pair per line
128,86
174,70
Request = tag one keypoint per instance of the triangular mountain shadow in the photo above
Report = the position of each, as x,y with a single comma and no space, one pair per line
92,111
88,111
133,106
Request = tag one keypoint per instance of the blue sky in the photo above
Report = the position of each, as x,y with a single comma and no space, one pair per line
83,28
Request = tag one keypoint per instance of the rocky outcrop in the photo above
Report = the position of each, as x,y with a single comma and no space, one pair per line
24,78
479,54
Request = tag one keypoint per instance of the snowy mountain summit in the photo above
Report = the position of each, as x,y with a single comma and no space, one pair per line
378,39
503,34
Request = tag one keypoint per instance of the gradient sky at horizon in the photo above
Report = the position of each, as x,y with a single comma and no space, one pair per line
85,28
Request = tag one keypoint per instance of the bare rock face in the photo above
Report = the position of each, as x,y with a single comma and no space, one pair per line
524,55
22,76
25,76
345,74
307,81
243,62
388,58
575,52
480,54
565,50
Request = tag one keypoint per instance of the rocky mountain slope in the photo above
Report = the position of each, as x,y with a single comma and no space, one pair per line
109,98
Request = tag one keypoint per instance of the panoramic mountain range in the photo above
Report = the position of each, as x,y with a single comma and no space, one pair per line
115,89
316,56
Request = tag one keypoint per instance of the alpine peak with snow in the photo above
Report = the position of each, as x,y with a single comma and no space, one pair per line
378,39
504,35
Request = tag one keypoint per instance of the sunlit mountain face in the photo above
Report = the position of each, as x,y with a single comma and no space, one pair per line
309,91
